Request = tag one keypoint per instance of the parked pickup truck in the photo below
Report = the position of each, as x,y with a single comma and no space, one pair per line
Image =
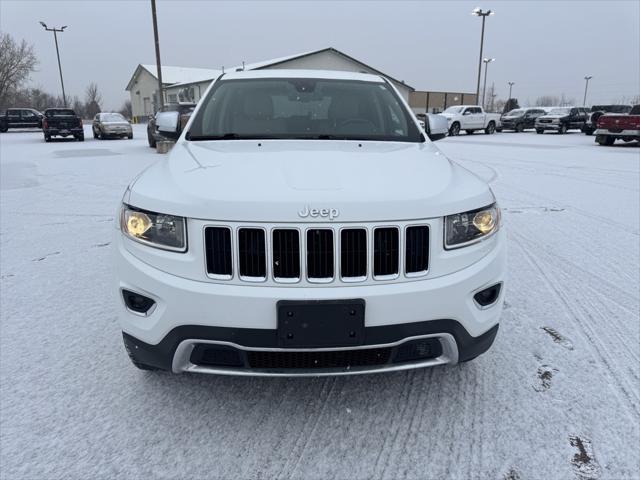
62,122
470,118
612,127
562,119
597,111
20,118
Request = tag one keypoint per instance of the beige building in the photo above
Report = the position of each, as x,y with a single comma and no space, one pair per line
182,84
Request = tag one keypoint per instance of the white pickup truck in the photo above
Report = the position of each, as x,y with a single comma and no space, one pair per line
470,118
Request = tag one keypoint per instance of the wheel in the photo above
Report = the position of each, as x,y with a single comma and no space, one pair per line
469,132
499,129
454,131
151,140
130,136
605,140
80,138
520,128
539,131
563,129
491,128
95,135
47,138
3,128
136,363
588,131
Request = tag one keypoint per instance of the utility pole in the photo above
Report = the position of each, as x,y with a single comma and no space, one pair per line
478,12
55,37
586,85
511,84
160,104
486,61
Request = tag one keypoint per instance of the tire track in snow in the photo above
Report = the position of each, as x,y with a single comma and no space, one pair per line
582,320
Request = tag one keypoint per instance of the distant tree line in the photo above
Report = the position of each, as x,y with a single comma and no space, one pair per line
17,62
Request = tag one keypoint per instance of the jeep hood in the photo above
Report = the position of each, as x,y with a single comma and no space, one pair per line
272,180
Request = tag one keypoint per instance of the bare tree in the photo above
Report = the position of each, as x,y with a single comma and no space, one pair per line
17,61
547,101
126,110
92,102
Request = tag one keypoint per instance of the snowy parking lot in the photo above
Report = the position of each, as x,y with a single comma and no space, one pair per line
557,397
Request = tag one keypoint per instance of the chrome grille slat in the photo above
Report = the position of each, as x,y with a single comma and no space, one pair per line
310,254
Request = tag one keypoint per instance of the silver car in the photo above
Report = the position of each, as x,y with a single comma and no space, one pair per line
111,125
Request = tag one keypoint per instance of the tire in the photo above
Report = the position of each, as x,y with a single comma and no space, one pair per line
95,135
47,138
454,131
491,128
605,140
499,129
588,131
80,138
519,128
469,132
563,129
130,136
3,128
539,131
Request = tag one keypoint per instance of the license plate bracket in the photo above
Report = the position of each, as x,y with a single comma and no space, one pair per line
320,323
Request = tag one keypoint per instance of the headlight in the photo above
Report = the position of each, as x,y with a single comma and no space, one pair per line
155,229
470,227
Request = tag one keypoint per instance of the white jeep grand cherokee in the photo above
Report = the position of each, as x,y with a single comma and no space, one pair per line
304,224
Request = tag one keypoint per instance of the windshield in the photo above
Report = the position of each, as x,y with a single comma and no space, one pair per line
559,111
453,110
302,108
515,113
112,117
59,112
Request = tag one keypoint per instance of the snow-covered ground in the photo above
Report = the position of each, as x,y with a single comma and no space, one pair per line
557,397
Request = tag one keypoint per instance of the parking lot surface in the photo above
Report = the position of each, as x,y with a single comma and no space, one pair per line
558,395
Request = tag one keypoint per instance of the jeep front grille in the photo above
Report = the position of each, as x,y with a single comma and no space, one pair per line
322,254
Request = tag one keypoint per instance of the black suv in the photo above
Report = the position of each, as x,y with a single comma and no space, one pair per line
520,118
597,111
20,118
562,119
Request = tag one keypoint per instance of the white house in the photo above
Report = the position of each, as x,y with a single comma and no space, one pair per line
189,84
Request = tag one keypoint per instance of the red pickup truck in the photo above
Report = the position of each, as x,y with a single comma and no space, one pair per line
614,127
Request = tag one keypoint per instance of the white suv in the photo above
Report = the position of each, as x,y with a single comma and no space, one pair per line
304,224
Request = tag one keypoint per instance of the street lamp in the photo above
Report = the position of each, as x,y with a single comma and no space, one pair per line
55,37
511,84
478,12
486,61
586,85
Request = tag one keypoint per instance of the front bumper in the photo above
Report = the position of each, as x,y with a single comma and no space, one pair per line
243,318
548,126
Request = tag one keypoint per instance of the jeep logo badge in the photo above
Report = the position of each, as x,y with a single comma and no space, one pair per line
329,213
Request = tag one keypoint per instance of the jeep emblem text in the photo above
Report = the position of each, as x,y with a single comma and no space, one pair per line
330,213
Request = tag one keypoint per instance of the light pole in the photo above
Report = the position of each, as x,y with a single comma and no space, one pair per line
586,85
160,104
486,61
478,12
55,37
511,84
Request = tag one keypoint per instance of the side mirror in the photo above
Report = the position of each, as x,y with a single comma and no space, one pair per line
167,123
467,112
437,127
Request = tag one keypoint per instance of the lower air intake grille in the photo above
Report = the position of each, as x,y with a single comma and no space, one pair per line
286,254
218,250
417,249
385,252
252,253
320,254
310,360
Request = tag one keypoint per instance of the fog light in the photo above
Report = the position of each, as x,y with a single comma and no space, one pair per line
488,296
136,302
418,350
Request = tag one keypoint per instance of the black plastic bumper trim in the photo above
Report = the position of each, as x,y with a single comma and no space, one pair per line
161,355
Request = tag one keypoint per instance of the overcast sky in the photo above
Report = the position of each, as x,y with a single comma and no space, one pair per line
545,47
